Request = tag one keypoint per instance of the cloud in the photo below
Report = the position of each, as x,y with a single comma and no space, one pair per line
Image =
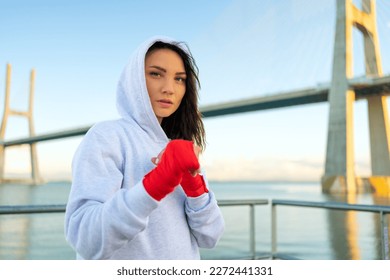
17,160
305,169
264,169
54,160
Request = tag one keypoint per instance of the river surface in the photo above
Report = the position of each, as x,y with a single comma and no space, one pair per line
304,233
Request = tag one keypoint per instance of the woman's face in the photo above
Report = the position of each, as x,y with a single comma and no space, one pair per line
165,80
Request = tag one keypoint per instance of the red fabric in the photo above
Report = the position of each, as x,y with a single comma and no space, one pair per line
193,186
179,157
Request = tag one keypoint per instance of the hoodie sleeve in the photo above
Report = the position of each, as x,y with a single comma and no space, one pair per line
101,216
205,219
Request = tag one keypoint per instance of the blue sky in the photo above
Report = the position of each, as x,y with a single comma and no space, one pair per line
242,48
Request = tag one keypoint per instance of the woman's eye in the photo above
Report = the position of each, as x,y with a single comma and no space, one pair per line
180,79
154,74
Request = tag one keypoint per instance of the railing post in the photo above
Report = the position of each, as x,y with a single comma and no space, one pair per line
384,236
273,230
252,231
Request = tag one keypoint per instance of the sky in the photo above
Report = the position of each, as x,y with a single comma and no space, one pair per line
243,48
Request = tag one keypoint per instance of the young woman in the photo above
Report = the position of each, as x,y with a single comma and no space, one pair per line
137,191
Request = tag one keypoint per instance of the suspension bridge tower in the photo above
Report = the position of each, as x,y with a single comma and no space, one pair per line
35,177
340,164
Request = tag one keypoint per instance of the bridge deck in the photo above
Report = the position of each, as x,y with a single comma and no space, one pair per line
363,89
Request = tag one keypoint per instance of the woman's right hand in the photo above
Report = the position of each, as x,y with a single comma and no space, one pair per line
178,157
197,151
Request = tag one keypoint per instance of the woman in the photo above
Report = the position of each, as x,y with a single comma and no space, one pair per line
125,201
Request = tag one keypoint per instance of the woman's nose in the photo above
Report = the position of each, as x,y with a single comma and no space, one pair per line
168,86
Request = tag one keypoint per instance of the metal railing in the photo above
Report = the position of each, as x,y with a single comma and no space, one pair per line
381,210
32,209
58,208
252,220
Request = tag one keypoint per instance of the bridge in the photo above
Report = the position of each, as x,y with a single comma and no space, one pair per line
341,93
363,88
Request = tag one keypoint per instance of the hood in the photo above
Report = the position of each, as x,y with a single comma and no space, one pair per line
132,100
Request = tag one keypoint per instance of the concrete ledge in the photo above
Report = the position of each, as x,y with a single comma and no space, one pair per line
380,185
338,185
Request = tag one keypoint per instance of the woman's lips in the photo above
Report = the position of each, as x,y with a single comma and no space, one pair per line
165,103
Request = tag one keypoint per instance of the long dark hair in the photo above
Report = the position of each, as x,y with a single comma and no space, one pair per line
186,122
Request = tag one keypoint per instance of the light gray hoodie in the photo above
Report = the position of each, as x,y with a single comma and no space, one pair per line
109,214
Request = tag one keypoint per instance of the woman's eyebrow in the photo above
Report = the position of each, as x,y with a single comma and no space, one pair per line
164,70
159,68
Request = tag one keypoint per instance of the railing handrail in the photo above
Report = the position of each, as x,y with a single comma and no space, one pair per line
382,210
32,209
55,208
48,208
242,202
333,205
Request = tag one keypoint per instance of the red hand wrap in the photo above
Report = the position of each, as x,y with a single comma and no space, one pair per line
179,157
193,186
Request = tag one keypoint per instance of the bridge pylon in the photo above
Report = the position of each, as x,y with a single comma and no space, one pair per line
340,163
35,175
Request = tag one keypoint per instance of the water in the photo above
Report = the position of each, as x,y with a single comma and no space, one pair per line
305,233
